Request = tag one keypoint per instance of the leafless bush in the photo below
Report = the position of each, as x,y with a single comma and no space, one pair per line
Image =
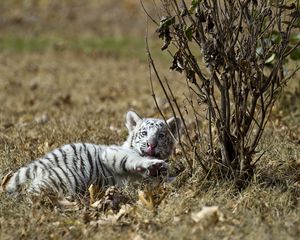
244,45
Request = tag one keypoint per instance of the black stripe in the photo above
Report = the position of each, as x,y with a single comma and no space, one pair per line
123,163
102,170
114,163
55,158
100,182
104,167
114,148
27,173
83,183
47,158
79,171
59,178
105,154
131,142
64,156
46,185
111,176
75,180
54,183
101,175
34,169
69,180
99,178
91,163
97,174
41,162
67,170
17,178
82,165
74,148
135,137
43,171
51,161
84,147
101,166
75,157
105,175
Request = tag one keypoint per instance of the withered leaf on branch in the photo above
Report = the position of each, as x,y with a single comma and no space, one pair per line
295,14
189,33
254,2
190,75
201,17
177,63
164,31
210,25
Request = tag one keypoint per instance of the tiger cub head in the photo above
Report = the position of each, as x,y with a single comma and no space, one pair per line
152,137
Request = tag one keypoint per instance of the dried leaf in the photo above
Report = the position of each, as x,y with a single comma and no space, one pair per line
164,31
208,216
145,200
5,180
138,237
210,24
67,204
106,220
271,58
113,199
152,196
42,119
44,148
113,218
125,209
95,193
115,129
177,63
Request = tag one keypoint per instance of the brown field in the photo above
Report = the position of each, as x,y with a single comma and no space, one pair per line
70,70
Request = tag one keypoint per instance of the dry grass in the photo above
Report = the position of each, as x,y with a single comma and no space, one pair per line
50,97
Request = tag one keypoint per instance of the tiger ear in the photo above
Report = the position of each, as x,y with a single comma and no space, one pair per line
132,119
173,124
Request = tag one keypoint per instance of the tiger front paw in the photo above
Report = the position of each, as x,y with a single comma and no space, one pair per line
153,168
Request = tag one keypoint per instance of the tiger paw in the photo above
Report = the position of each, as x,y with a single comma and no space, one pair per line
153,168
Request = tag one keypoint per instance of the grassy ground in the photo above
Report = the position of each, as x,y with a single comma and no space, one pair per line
69,73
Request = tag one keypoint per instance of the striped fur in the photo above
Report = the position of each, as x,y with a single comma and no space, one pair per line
72,168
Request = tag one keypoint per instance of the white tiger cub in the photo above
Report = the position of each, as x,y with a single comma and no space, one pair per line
72,168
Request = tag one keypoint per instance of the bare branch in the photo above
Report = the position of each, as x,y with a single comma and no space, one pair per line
232,54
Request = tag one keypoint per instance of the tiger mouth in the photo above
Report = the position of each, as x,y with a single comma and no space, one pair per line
151,155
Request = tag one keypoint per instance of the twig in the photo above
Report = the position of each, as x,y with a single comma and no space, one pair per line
151,64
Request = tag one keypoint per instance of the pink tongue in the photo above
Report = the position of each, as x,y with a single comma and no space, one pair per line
150,151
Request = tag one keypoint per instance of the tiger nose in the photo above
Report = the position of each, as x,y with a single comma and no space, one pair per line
152,144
